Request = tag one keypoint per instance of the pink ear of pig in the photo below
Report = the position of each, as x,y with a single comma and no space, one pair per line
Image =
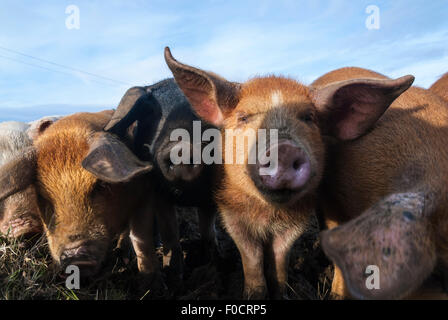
352,107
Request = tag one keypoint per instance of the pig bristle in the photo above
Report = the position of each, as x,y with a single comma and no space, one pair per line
264,86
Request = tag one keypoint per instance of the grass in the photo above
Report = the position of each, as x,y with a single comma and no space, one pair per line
27,271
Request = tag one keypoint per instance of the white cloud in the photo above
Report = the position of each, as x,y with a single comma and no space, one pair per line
125,40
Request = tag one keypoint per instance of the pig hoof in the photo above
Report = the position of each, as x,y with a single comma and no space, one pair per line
335,296
255,294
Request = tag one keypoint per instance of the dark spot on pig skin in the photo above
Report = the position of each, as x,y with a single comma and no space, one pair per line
354,250
411,174
408,216
386,251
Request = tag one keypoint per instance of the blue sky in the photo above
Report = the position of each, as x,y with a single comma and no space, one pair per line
124,41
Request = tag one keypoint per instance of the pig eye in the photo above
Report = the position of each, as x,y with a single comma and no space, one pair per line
307,117
243,118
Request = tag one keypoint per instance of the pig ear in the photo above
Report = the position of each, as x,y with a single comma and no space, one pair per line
391,240
39,127
211,96
137,104
440,87
350,108
18,174
111,160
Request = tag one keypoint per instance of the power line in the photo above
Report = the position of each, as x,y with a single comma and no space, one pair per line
62,66
51,70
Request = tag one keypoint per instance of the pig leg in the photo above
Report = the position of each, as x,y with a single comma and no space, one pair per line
254,280
391,244
141,234
169,232
328,218
338,288
122,239
251,251
277,262
124,246
207,218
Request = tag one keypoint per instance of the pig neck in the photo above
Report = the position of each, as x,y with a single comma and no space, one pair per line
238,206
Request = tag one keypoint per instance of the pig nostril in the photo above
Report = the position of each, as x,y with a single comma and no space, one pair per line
292,168
296,164
266,165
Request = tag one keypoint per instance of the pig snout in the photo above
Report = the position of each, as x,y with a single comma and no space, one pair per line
82,256
290,171
184,171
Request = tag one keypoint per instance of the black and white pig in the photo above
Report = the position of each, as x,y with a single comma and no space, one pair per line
145,119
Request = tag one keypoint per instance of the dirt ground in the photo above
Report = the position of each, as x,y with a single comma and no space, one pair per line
27,271
309,271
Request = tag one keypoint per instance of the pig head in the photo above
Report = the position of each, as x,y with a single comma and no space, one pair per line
383,197
88,188
158,110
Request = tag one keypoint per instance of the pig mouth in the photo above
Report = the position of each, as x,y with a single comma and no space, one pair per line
182,172
284,197
87,256
178,173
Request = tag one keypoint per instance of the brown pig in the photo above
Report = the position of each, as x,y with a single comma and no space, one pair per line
440,87
265,211
90,188
387,190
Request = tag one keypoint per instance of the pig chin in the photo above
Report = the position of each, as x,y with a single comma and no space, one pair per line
282,197
88,256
